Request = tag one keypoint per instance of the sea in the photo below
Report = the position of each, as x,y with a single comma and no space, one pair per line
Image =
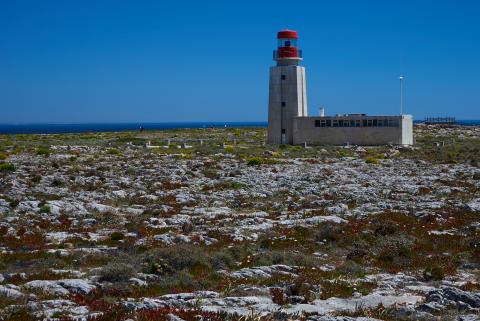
116,127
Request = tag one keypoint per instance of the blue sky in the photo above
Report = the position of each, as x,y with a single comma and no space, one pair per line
160,61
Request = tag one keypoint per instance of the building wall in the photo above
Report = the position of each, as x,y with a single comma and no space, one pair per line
292,92
304,131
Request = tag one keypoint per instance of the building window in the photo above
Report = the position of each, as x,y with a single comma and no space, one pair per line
283,77
317,123
323,123
380,123
283,131
369,122
335,123
374,123
329,123
358,123
390,123
284,104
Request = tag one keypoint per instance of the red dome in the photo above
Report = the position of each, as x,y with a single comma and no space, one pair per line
287,34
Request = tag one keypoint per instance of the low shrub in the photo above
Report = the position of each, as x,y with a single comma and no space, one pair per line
255,161
45,209
176,258
117,236
116,272
3,156
43,151
6,167
433,273
371,160
229,149
113,151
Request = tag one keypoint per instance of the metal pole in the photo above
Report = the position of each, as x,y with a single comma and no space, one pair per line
401,95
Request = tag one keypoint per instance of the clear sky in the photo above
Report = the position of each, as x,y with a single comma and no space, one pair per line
160,61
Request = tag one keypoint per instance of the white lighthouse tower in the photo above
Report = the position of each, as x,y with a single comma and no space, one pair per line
287,92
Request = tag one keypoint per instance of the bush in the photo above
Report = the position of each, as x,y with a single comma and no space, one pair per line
255,161
3,156
117,236
43,151
395,250
6,167
371,160
434,273
351,268
45,209
116,272
176,258
113,151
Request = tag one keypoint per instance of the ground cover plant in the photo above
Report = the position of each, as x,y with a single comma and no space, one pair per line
214,224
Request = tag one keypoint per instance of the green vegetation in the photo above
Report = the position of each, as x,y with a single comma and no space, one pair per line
371,160
43,151
113,151
6,167
255,161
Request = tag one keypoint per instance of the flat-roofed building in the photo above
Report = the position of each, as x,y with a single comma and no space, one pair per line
353,129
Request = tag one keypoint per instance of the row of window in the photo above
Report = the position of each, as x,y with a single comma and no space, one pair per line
357,123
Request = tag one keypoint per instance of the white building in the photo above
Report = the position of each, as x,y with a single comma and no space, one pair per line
288,120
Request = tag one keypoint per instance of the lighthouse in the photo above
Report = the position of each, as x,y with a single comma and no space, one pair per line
287,92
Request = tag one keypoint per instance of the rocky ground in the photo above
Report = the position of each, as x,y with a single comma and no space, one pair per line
211,224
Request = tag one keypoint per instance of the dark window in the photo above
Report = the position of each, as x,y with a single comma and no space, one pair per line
329,123
374,123
340,123
317,123
283,77
283,131
352,123
364,123
284,104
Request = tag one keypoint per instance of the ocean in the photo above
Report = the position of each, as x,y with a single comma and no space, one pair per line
114,127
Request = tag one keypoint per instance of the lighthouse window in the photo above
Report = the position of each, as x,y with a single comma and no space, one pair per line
283,131
284,104
283,77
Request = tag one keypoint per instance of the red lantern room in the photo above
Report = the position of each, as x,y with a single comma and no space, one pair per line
287,52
